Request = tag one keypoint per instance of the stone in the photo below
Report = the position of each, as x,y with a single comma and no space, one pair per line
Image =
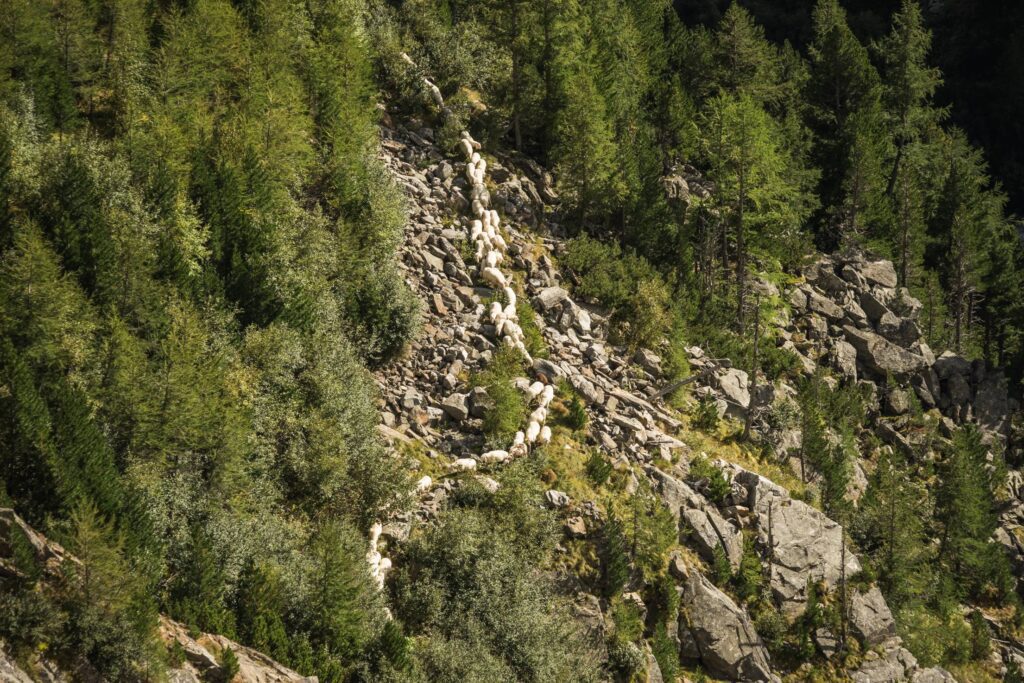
933,675
950,364
844,359
575,527
872,307
807,543
556,499
479,402
708,530
648,360
881,355
591,393
548,298
456,406
870,617
853,276
897,402
587,612
724,638
879,273
822,305
733,383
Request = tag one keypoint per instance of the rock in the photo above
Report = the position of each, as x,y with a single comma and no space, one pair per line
726,642
897,402
991,403
479,402
548,298
556,499
807,545
591,393
675,493
575,527
890,435
649,361
950,364
881,355
10,672
879,273
827,643
587,611
844,359
709,530
933,675
853,276
870,617
734,384
456,406
821,305
872,307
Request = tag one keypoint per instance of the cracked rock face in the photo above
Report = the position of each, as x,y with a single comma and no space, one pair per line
719,634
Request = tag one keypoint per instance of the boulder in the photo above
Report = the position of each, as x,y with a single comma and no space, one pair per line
818,303
548,298
456,407
881,355
870,617
844,359
725,640
734,384
878,273
556,499
707,534
587,612
648,360
950,364
807,545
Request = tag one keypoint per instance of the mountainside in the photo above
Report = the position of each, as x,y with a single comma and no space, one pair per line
350,340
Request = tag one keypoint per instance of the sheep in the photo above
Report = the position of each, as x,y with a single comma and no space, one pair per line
407,59
423,484
478,208
518,450
435,93
495,457
535,389
494,277
549,393
532,432
493,258
510,296
499,242
510,310
494,311
495,218
539,415
466,146
375,532
545,435
476,228
464,464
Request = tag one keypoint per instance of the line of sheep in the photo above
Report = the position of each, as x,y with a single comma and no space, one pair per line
490,248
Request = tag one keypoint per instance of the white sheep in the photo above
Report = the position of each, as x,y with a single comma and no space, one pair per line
518,450
536,388
424,483
407,59
495,457
495,218
375,532
545,435
549,393
494,311
464,464
475,158
499,242
539,415
466,146
494,277
510,296
435,93
532,432
510,311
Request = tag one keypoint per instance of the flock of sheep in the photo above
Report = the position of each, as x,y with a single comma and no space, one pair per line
490,248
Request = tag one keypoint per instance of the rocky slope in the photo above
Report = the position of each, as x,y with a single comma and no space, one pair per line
847,314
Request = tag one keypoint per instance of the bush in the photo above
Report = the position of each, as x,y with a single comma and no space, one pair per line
666,653
704,415
509,408
576,418
533,338
598,468
718,487
625,657
381,314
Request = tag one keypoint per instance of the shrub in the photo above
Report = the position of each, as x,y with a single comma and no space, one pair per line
509,408
704,415
533,338
666,653
718,487
598,468
625,657
229,667
721,570
576,418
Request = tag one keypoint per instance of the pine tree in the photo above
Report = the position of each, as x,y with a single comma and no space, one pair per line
909,84
614,558
966,509
197,596
892,515
259,609
845,113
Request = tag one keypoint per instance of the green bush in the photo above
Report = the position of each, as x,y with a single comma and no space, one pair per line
598,468
533,338
718,487
509,409
704,415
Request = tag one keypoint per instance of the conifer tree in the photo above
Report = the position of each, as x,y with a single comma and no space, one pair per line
614,557
892,516
845,113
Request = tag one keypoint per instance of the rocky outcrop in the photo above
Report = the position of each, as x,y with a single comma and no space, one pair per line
718,634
